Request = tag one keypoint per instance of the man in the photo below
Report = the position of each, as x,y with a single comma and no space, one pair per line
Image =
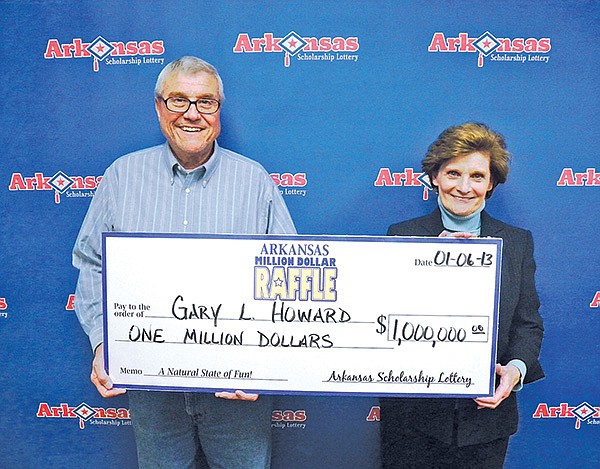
187,185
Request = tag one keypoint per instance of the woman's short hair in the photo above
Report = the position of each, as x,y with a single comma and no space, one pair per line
463,140
187,65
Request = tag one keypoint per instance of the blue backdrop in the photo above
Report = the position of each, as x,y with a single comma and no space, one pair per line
341,113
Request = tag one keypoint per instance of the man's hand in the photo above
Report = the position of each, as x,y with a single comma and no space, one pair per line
462,234
237,395
509,377
99,377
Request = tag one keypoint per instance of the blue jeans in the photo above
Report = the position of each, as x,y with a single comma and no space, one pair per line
179,430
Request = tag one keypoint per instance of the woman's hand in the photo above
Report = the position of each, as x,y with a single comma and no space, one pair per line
509,377
462,234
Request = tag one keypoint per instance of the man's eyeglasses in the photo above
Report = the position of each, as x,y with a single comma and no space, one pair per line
181,104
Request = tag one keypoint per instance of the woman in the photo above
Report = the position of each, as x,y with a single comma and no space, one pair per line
465,164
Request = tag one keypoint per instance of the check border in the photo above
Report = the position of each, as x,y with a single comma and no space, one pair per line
494,243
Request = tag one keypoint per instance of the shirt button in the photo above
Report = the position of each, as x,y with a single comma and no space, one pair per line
185,222
187,191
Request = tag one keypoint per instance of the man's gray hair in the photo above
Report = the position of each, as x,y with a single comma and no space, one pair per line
187,65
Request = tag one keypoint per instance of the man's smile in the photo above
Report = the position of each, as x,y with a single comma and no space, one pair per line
187,128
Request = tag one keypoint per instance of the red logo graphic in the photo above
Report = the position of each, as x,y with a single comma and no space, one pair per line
288,418
3,308
374,414
572,179
596,301
70,306
584,412
84,412
101,49
289,179
497,49
408,177
290,182
304,48
60,183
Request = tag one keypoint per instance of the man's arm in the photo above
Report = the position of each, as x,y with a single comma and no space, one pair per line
87,257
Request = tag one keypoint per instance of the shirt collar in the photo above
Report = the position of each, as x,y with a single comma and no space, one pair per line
210,166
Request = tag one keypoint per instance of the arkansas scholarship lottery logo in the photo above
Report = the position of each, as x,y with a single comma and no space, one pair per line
570,178
496,49
3,308
60,183
594,304
301,48
290,183
109,52
407,178
111,416
584,413
285,419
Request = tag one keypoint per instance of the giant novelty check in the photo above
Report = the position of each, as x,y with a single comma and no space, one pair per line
273,314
